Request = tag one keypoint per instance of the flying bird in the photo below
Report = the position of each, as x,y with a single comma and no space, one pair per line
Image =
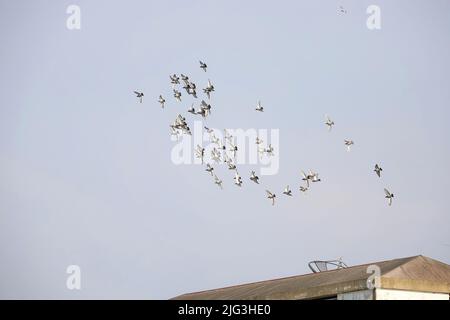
215,155
139,95
388,196
378,170
329,122
200,152
237,179
287,191
192,109
271,196
218,181
258,141
259,107
174,79
303,189
315,177
209,130
342,10
177,94
161,100
209,169
348,143
254,177
231,165
203,65
209,88
305,178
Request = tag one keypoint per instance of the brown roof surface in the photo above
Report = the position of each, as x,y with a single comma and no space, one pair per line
417,273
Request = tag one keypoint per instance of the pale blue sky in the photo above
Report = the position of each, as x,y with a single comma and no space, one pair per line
85,171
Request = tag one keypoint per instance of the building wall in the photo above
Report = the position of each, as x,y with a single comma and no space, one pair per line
388,294
356,295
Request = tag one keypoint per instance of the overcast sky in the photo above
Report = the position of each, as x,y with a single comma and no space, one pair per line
86,176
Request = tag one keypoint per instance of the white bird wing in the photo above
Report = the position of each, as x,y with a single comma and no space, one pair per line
386,191
269,194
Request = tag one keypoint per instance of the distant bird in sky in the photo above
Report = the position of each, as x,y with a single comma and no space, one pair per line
200,152
218,181
254,177
215,155
203,66
139,95
209,88
233,148
259,107
287,191
329,122
348,143
191,109
231,165
209,130
184,78
161,100
258,141
388,196
342,10
237,179
271,196
378,170
305,178
174,79
315,177
269,150
303,189
214,140
209,169
177,94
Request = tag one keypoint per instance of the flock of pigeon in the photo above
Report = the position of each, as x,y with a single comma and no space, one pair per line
225,151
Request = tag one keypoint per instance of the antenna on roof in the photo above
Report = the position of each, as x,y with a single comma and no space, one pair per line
325,265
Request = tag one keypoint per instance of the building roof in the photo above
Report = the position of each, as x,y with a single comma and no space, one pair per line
416,273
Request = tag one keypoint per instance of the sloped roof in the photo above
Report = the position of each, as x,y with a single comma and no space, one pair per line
416,273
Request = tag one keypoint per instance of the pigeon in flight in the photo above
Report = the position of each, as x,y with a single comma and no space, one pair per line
315,177
237,179
177,94
200,152
174,79
258,141
271,196
192,109
209,169
378,170
303,189
259,107
329,122
306,178
348,143
254,177
231,165
139,95
269,150
203,65
388,196
162,101
209,88
218,181
184,78
208,130
342,10
287,191
215,155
